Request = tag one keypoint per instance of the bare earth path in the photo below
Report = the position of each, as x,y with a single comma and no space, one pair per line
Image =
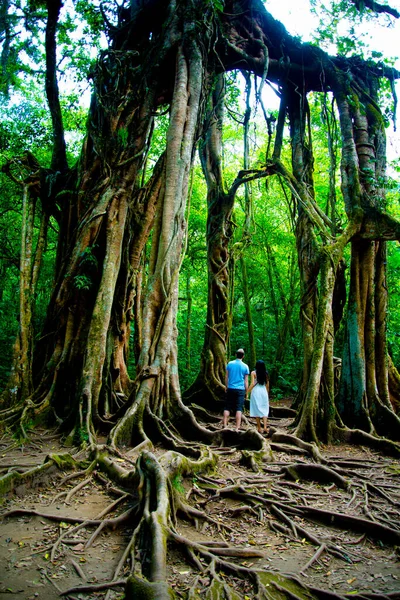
40,559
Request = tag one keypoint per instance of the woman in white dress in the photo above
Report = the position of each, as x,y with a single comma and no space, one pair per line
259,399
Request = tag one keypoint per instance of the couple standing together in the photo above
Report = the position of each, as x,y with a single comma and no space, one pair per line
237,387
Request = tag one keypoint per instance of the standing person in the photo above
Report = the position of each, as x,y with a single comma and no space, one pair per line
259,398
236,384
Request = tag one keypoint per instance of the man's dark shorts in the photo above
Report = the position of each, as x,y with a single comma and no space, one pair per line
234,400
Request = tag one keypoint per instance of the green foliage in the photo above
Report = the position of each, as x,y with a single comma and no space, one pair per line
217,5
123,135
88,267
393,269
176,483
82,282
88,257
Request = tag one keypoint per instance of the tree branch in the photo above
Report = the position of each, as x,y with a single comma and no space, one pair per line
59,158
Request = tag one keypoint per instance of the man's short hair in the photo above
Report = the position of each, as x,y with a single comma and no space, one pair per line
240,353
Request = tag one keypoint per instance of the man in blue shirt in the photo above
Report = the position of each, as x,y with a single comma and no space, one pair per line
236,384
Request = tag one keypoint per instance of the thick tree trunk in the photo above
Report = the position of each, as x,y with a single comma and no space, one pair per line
307,246
157,390
80,360
209,386
363,402
20,385
364,399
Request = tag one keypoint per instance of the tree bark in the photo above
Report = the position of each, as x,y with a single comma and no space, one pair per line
209,386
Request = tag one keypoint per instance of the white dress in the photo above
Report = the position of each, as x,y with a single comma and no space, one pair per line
259,401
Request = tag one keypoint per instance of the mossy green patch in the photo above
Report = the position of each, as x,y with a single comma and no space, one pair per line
140,589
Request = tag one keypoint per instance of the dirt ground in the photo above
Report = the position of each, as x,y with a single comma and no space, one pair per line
366,565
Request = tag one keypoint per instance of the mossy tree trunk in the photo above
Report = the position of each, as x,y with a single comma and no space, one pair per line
21,381
362,402
364,398
80,360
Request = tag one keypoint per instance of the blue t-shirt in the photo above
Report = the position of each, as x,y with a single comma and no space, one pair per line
237,371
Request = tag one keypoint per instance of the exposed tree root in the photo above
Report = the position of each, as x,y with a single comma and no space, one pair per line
361,438
151,500
14,479
98,587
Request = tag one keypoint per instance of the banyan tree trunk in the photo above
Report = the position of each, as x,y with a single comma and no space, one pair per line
307,247
20,384
80,360
157,391
364,399
209,386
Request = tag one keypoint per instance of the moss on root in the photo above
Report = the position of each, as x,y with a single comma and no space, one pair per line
63,461
11,481
139,589
279,587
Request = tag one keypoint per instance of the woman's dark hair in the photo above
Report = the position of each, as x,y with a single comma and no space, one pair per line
261,372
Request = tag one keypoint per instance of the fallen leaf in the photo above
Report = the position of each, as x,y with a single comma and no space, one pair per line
351,580
78,547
